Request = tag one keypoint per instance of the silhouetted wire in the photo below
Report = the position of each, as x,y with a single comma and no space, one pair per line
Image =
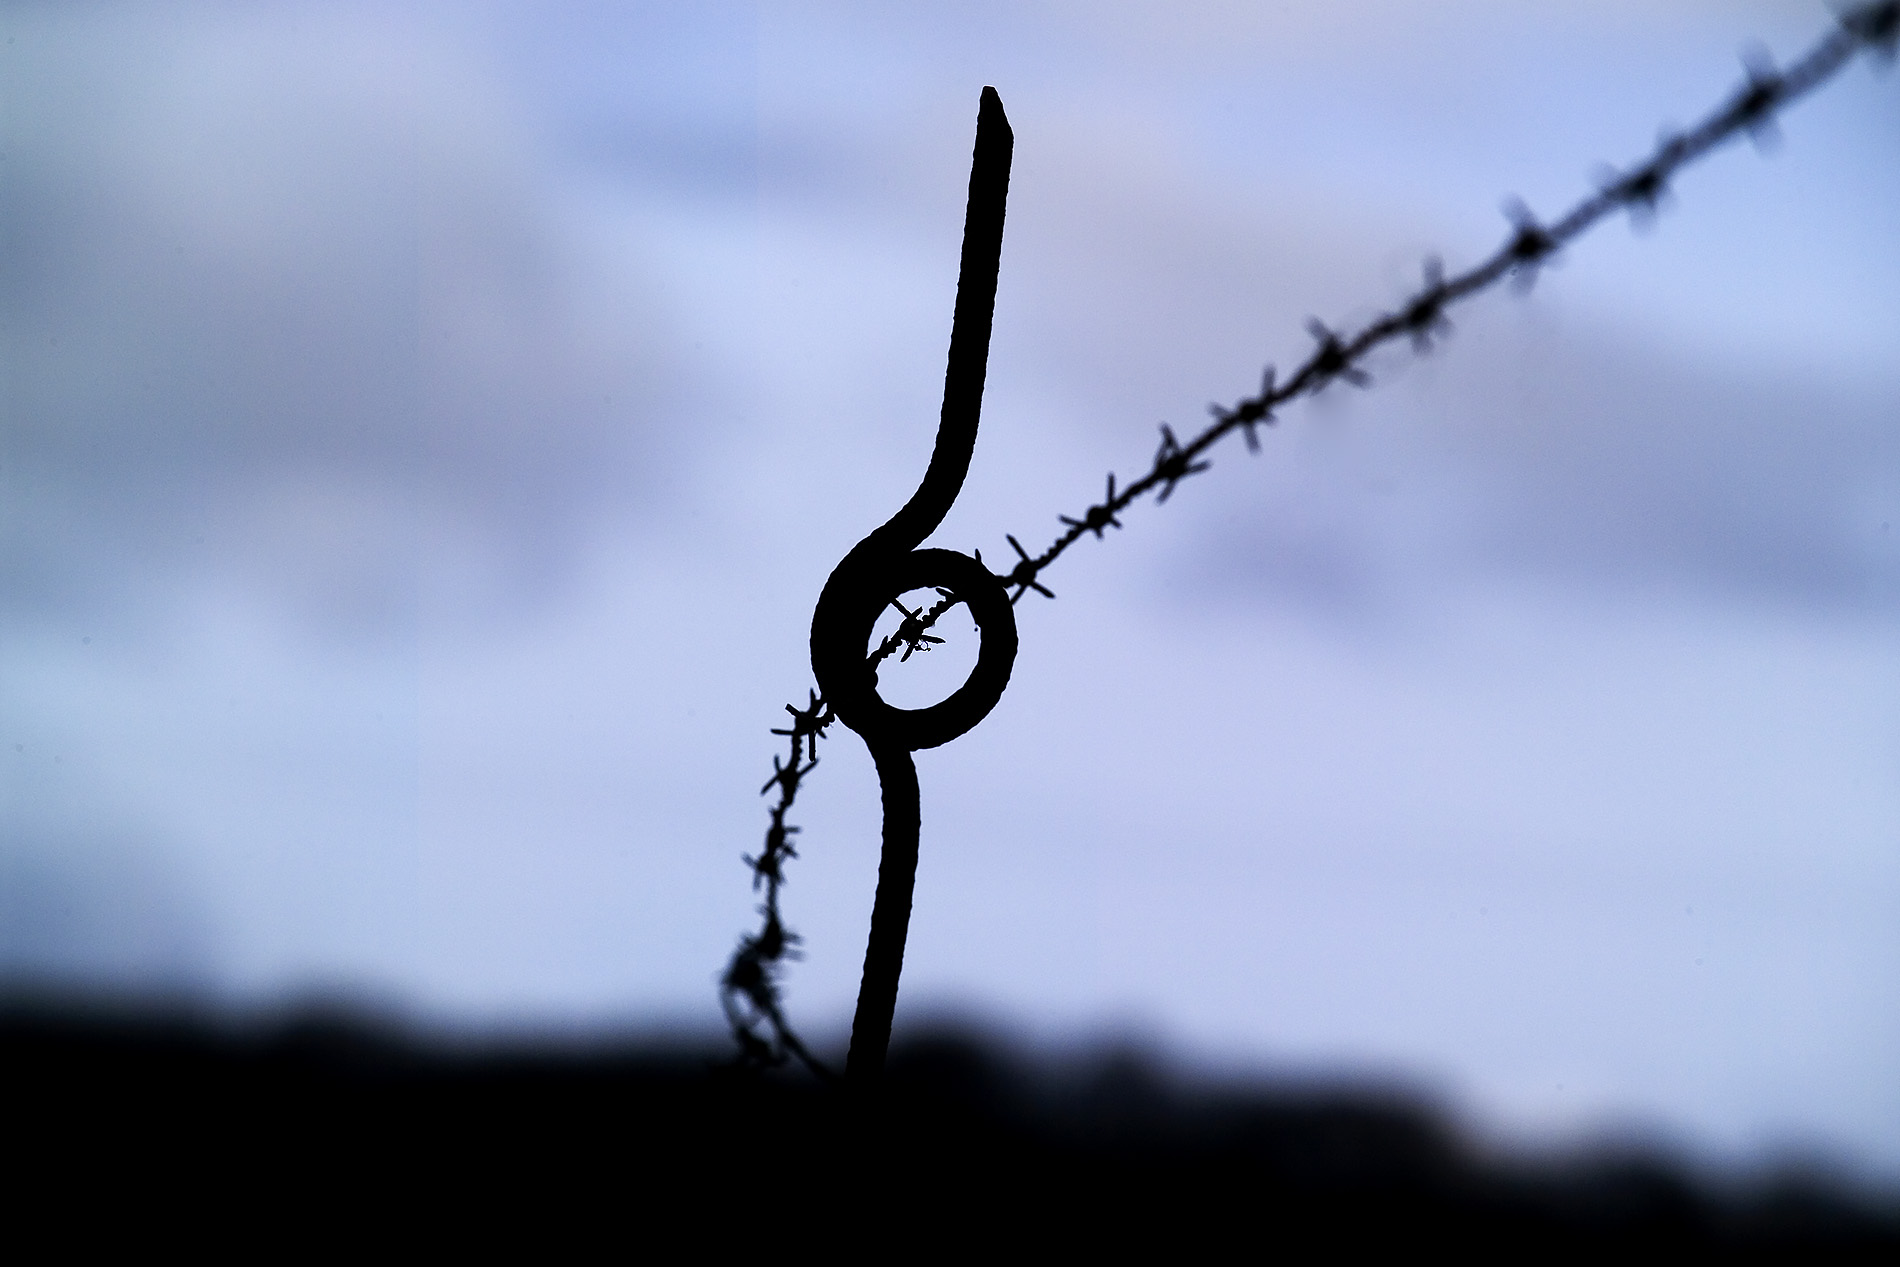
750,987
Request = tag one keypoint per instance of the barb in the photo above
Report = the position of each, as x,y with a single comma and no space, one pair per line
750,985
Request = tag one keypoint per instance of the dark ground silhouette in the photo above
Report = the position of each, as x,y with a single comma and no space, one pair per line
319,1120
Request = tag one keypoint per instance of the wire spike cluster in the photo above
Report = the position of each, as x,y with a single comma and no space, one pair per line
1877,26
1423,317
1249,413
910,634
750,985
1642,190
1097,518
808,725
1172,464
1530,246
1023,575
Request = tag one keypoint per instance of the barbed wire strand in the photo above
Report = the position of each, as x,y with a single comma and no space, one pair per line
750,988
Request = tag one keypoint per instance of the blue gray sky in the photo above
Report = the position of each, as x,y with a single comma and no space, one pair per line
427,428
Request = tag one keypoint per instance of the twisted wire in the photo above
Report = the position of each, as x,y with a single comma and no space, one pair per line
751,990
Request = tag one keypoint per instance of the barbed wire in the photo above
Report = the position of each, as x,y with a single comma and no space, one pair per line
751,989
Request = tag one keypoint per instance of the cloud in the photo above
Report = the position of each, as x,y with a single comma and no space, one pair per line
1539,449
280,277
93,904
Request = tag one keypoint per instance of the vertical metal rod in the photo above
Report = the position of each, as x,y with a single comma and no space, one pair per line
857,580
890,914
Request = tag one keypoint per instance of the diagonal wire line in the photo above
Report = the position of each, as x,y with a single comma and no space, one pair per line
750,987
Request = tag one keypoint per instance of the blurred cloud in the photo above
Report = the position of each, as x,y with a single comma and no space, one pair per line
1597,463
292,285
85,906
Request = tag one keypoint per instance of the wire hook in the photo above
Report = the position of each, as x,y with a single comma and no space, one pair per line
887,564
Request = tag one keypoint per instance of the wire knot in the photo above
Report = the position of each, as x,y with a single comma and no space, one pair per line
808,725
1098,517
787,777
910,634
1172,464
1330,360
1023,575
1875,25
1425,315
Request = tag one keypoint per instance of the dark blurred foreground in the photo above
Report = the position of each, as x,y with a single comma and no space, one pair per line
315,1125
